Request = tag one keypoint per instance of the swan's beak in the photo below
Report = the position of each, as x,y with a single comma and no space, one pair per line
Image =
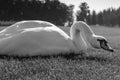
105,46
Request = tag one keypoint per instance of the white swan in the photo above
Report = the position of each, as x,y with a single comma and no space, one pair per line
41,38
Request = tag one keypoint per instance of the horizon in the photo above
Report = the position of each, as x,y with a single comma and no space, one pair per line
100,4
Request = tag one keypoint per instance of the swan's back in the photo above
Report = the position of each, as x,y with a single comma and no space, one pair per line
33,24
20,26
26,24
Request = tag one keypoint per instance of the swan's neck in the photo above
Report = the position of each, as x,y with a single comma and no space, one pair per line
81,35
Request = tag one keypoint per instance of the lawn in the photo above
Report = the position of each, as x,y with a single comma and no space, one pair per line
95,65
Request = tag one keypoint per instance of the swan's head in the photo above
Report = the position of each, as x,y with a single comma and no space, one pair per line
101,42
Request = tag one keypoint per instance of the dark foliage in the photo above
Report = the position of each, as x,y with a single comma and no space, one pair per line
49,10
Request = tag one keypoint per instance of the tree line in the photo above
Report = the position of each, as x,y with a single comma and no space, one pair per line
49,10
107,17
56,12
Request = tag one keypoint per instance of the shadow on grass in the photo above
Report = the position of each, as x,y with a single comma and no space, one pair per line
68,56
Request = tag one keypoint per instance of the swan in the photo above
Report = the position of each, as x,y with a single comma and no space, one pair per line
35,37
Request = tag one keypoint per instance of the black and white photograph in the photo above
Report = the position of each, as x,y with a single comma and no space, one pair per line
59,39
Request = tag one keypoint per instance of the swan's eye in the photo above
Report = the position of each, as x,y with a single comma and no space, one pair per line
77,31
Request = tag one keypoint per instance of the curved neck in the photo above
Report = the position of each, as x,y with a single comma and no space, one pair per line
81,34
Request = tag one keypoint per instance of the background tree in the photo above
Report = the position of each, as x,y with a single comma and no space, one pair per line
93,18
100,18
83,12
70,19
118,16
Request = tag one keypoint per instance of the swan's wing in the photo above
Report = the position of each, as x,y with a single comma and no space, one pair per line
20,26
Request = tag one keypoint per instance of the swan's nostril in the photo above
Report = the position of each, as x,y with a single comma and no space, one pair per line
112,50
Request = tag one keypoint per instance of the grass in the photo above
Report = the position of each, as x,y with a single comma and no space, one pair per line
94,65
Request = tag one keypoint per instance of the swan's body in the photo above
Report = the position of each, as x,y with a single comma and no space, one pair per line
40,37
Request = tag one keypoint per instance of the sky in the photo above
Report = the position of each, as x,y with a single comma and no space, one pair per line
97,5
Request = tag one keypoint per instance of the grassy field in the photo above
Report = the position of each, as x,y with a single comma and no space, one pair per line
95,65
